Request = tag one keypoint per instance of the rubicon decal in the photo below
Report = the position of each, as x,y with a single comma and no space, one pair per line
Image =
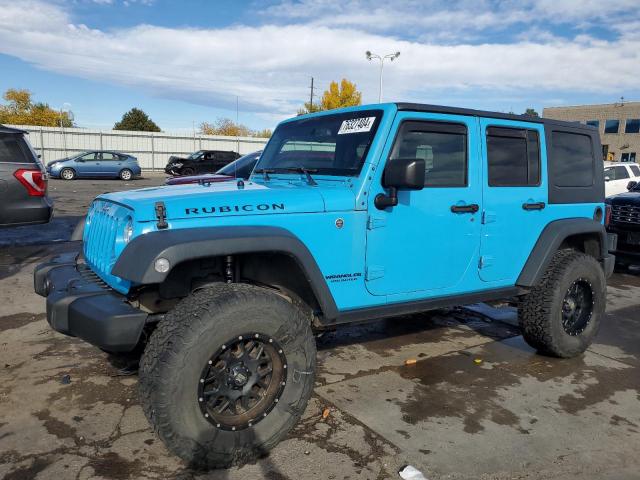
261,207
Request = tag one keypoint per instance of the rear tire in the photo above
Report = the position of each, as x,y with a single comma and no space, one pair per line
125,174
67,174
561,315
186,348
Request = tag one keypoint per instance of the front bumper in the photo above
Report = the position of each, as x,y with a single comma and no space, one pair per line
80,305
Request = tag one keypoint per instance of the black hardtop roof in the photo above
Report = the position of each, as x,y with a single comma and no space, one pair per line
11,130
421,107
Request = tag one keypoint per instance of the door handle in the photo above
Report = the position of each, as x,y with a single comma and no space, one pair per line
533,206
472,208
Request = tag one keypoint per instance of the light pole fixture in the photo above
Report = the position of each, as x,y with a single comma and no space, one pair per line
389,56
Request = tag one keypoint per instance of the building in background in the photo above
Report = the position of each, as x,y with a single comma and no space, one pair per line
618,123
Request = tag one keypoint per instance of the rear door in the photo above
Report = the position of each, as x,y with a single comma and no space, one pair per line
514,195
428,244
110,164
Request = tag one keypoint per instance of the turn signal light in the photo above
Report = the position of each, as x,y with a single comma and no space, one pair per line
33,181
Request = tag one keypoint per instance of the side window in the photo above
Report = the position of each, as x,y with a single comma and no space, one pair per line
442,146
87,157
620,173
573,161
108,156
513,156
635,170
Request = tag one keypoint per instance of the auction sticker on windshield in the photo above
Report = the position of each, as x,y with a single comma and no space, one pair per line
356,125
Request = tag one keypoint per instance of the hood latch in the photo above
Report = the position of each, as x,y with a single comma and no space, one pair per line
161,215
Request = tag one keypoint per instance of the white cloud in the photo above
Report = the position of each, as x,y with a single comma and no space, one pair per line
269,66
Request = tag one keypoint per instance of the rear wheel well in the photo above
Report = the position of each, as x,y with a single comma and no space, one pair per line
589,243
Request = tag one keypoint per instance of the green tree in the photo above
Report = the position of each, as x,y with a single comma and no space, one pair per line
21,110
531,112
345,95
135,119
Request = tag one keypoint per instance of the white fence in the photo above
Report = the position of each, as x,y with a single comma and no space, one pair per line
152,149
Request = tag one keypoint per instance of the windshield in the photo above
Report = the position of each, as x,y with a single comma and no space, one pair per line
242,167
195,155
328,145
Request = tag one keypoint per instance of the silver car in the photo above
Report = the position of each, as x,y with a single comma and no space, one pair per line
23,182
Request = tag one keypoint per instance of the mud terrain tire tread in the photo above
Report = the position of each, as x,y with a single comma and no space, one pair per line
165,361
539,310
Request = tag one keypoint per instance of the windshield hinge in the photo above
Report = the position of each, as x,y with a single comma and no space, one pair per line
161,215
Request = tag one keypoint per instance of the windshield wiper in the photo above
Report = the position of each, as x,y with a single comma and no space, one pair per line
305,171
265,173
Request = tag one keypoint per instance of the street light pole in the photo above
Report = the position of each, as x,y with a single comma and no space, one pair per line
373,56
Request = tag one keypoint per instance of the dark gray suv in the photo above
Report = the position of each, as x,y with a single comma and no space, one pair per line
23,182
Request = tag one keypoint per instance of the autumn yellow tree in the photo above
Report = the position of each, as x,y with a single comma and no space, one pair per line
21,110
344,95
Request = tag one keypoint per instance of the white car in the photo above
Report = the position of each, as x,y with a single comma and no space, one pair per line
618,175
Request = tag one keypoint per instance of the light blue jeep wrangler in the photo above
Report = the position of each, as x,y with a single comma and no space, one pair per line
350,215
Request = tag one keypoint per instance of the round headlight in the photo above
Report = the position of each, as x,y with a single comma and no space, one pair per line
128,231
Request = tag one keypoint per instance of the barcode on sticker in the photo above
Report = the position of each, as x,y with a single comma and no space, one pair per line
356,125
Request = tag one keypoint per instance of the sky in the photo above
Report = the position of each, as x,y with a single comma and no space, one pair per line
189,61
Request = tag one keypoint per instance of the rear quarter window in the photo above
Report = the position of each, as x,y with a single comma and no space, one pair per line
13,149
573,160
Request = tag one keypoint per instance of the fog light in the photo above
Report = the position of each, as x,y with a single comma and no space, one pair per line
162,265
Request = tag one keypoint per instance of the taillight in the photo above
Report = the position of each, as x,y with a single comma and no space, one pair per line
607,215
33,181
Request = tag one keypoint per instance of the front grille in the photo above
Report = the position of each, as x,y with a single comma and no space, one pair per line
625,214
100,235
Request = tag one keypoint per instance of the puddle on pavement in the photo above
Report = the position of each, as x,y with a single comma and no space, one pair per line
19,320
456,386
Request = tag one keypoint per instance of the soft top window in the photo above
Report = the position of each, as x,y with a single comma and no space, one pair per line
573,160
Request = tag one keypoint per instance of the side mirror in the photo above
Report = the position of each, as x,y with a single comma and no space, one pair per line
400,174
607,179
631,185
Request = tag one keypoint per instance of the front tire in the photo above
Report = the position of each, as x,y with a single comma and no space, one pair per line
561,315
205,383
67,174
187,172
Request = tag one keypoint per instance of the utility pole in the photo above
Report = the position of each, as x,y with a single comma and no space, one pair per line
237,124
311,96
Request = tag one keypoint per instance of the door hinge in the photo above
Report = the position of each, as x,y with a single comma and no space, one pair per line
375,222
374,272
488,217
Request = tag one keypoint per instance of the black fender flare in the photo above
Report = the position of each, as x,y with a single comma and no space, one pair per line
136,262
549,242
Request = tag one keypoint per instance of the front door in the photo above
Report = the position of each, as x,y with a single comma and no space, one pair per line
428,244
515,196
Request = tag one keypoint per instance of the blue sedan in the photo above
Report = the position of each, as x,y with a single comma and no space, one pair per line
95,164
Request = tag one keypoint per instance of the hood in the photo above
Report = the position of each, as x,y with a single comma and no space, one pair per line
626,198
174,158
223,199
198,179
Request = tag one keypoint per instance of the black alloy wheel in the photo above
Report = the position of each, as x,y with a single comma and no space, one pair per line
242,382
577,307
